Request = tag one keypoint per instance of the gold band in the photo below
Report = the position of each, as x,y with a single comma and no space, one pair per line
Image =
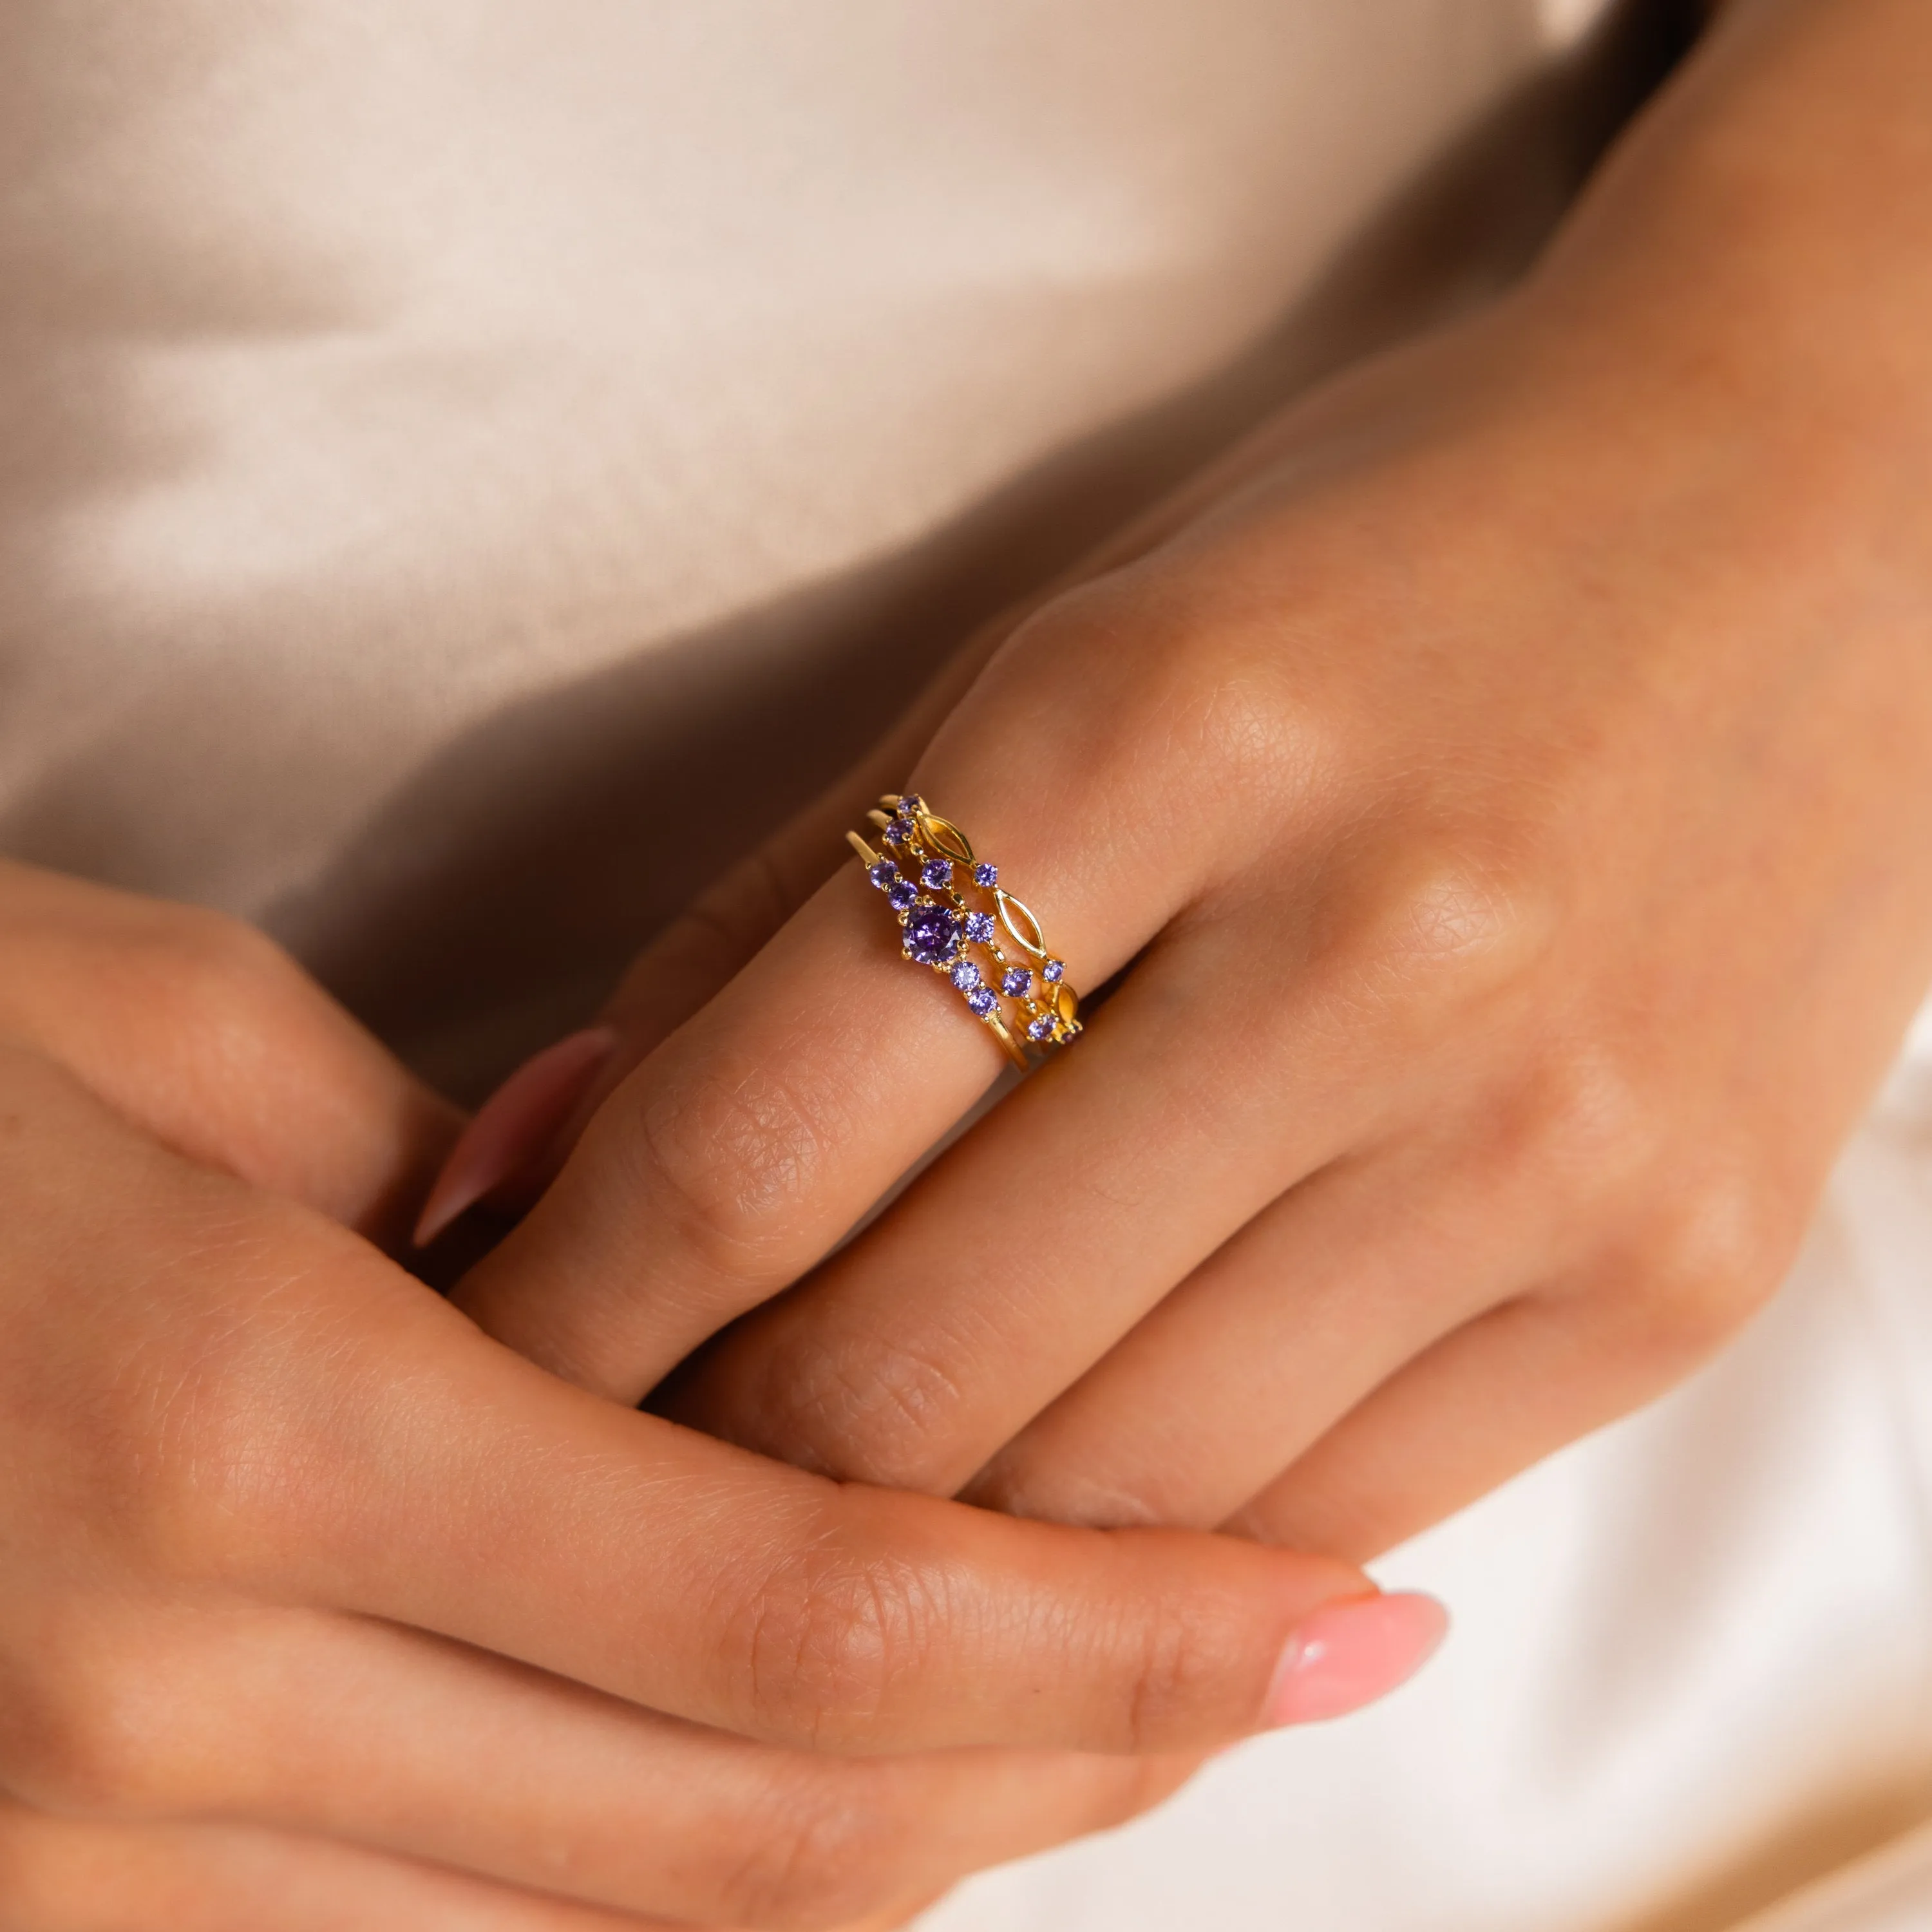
931,879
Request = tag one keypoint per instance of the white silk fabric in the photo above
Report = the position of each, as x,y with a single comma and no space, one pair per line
468,467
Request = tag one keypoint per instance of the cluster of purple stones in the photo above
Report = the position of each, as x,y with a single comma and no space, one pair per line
935,933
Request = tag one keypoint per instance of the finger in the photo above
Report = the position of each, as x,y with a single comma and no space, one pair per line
1045,1237
694,957
703,1581
66,1875
191,1716
1484,1403
337,1435
1274,1339
756,1136
201,1031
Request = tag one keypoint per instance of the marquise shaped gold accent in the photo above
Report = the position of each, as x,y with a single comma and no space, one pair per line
1069,1006
947,838
1032,938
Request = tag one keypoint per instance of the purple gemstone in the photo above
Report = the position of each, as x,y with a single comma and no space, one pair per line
981,1000
985,874
931,934
1053,972
882,875
902,893
965,975
1042,1028
898,832
979,927
911,806
936,873
1017,981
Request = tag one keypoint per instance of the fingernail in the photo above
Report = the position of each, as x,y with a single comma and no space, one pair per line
1349,1653
511,1128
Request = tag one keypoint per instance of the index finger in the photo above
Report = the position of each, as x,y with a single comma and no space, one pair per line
466,1492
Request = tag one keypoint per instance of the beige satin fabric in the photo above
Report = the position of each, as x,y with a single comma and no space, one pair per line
468,467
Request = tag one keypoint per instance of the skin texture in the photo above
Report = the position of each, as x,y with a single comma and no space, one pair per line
1502,793
315,1595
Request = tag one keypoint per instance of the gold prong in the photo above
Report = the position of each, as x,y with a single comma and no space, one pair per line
951,841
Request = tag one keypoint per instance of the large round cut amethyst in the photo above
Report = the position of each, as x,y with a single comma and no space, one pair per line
931,933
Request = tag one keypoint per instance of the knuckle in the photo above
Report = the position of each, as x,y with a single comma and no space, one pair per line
1164,679
1173,1668
224,1455
828,1638
869,1409
1589,1131
1448,929
728,1155
1713,1256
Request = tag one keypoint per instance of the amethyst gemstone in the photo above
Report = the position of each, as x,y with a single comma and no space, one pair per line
936,873
1053,972
979,927
981,1000
1042,1028
911,806
985,874
882,875
901,892
931,934
898,832
965,975
1017,981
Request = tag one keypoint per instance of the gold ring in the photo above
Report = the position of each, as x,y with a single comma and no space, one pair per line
931,880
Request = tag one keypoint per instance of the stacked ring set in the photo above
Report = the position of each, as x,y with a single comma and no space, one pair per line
951,907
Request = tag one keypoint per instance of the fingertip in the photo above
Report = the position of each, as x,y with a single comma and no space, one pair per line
1349,1653
513,1127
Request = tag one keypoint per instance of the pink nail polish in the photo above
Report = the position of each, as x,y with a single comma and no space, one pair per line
512,1127
1349,1653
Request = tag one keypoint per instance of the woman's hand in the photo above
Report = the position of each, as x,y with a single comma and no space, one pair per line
1508,808
321,1608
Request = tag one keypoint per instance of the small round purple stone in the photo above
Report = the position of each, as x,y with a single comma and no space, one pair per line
1041,1029
936,873
883,874
985,874
898,832
979,927
981,1000
1017,981
931,934
911,806
902,893
965,975
1053,972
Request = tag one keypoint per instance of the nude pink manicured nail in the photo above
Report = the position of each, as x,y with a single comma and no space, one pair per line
1349,1653
512,1127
